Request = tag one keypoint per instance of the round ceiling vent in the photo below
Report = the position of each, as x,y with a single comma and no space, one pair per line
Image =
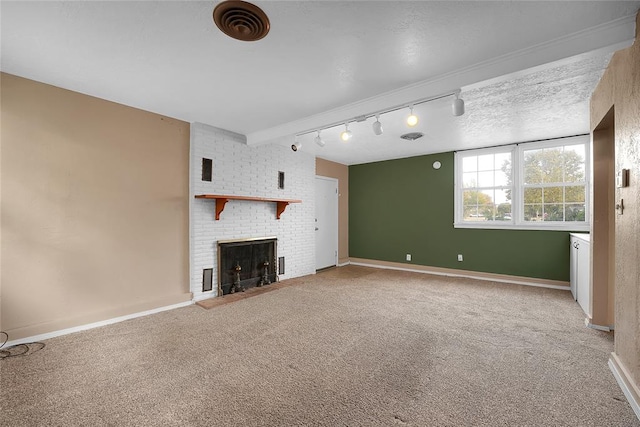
412,136
241,20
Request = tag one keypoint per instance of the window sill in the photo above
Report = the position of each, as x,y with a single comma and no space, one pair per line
547,227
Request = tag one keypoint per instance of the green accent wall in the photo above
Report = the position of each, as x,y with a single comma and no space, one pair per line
405,206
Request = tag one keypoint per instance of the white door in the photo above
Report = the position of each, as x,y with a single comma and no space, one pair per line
326,222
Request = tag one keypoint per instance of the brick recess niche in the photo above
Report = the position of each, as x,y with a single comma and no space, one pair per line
242,170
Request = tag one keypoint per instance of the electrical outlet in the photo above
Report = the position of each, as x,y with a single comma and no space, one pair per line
459,257
408,257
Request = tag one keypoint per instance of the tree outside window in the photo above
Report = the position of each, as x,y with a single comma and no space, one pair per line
553,183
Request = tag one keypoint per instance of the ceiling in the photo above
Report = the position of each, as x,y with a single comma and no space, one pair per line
526,68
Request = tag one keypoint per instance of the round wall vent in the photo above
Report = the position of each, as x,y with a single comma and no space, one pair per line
241,20
412,136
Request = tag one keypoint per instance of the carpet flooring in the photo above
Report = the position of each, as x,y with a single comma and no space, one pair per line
350,346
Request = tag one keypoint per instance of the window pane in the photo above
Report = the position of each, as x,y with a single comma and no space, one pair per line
470,198
532,195
486,197
469,164
469,179
574,212
552,165
574,194
503,212
503,161
487,207
485,179
502,179
533,212
553,212
574,156
502,196
470,213
485,163
553,195
487,172
487,212
532,167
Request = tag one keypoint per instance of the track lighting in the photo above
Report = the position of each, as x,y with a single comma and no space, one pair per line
457,106
377,126
346,134
412,119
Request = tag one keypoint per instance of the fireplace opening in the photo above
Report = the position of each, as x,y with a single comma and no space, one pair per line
246,263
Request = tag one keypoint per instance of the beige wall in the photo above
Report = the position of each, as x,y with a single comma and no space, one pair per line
94,209
341,173
620,88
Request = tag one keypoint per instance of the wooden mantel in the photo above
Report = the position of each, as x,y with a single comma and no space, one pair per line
222,200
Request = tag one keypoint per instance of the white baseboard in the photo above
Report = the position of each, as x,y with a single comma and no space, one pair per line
67,331
492,277
630,391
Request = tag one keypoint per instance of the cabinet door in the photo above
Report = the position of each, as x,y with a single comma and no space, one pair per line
584,273
573,272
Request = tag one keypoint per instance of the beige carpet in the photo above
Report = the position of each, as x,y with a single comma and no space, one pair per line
347,347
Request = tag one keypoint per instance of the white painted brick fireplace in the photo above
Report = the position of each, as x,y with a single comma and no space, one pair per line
242,170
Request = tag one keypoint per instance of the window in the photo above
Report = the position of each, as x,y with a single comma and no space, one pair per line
487,186
541,185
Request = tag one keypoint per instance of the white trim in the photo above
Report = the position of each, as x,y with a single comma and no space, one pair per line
467,274
588,324
342,264
491,225
192,139
623,381
67,331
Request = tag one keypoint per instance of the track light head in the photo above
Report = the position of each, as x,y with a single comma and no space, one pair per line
296,145
377,126
346,134
319,140
457,105
412,119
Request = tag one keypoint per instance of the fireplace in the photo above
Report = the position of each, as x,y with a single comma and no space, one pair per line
246,263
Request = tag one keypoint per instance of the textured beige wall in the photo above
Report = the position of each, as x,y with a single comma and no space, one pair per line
341,173
94,209
620,88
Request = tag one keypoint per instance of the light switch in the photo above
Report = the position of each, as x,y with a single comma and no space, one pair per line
622,178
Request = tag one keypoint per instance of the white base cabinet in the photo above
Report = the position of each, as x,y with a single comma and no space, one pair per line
580,272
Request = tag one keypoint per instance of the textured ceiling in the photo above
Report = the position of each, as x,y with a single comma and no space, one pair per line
328,60
544,104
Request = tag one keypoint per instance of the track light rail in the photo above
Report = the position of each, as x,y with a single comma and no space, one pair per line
363,117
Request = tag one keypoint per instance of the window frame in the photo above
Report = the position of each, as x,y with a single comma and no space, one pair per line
517,191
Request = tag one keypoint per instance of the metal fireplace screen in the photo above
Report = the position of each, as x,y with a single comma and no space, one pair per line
243,264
